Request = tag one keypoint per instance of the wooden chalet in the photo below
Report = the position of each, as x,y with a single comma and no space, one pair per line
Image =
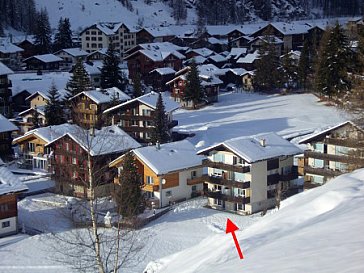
6,129
26,123
5,89
70,56
43,62
19,101
160,76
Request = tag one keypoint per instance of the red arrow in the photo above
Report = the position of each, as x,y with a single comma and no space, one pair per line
231,228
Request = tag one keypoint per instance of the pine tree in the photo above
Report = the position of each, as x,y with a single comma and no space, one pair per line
128,195
114,100
137,86
333,62
193,90
267,77
289,72
304,66
35,119
160,132
110,71
42,35
53,111
80,80
63,37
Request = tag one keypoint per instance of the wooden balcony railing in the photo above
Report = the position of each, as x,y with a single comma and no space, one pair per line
229,198
129,117
218,181
322,171
85,111
290,176
227,167
136,129
336,158
151,187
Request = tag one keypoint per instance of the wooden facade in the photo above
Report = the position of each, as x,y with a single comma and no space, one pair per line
5,94
36,64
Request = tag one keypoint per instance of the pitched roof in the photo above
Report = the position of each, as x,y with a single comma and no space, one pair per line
236,52
268,39
322,133
110,28
204,52
63,93
198,60
164,71
49,133
249,58
75,52
250,149
100,96
46,58
169,157
158,51
210,70
39,109
7,47
217,58
4,70
292,28
150,100
9,183
108,140
6,125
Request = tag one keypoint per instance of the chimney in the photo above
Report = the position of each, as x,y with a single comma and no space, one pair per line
262,142
158,145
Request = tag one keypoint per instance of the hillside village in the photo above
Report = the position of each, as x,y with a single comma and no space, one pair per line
96,115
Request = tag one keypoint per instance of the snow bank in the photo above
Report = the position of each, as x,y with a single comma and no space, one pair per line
315,231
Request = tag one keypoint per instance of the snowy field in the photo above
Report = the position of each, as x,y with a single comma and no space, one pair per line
320,230
243,114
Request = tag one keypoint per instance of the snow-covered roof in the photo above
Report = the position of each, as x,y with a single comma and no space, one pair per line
293,54
292,28
159,31
217,58
236,52
169,157
238,71
39,109
249,58
63,93
100,96
75,52
9,183
204,52
6,125
150,100
198,60
7,47
159,51
268,39
210,80
4,70
92,69
215,41
49,133
221,30
102,51
251,149
108,140
18,39
46,58
110,28
328,130
210,70
164,71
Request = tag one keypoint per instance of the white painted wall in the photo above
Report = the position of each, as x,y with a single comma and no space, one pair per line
8,230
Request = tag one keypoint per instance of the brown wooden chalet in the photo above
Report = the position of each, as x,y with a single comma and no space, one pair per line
144,58
84,155
6,128
87,106
160,76
43,62
136,116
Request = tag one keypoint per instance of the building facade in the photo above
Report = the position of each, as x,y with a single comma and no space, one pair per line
6,129
5,89
244,174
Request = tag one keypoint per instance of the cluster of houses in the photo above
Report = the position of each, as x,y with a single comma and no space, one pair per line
241,175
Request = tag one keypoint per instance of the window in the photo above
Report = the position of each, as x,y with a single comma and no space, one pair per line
74,174
74,160
87,38
93,38
240,192
99,38
240,206
168,193
149,180
193,174
5,224
31,147
4,207
93,32
67,146
194,188
146,112
218,202
100,45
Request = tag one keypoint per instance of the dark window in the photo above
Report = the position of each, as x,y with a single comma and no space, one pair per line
272,164
6,224
272,179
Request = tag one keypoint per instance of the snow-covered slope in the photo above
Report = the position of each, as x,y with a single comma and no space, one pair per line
317,231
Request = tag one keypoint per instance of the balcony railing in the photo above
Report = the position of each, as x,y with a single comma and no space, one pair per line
227,167
228,198
290,176
335,158
85,111
218,180
273,179
135,117
344,142
136,129
322,171
151,188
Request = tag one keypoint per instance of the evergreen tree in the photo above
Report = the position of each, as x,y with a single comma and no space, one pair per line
160,132
80,80
267,77
53,111
289,72
128,195
42,35
63,37
333,62
35,119
110,71
114,100
193,90
304,65
137,86
179,10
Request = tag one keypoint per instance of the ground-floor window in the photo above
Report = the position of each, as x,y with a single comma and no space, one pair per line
149,194
240,206
5,224
194,188
218,202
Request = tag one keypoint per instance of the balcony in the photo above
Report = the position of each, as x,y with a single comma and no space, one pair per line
226,167
344,142
135,117
172,124
322,171
290,176
218,180
150,187
136,129
85,111
335,158
228,198
273,179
